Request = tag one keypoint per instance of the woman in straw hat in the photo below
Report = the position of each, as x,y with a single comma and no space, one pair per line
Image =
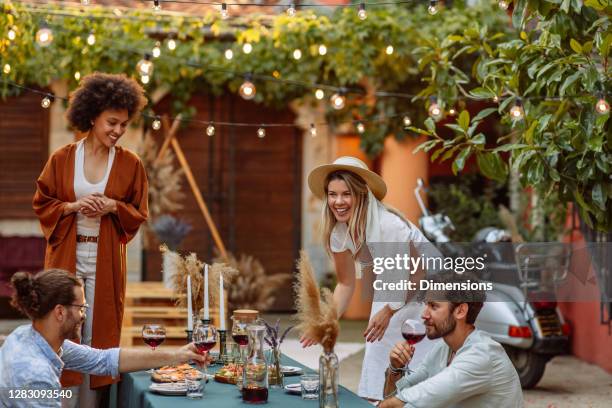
353,219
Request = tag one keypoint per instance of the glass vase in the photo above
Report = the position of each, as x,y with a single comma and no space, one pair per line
275,373
328,380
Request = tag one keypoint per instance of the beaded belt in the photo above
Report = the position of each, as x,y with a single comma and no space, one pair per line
84,238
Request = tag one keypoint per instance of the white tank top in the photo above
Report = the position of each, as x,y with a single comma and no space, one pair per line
85,225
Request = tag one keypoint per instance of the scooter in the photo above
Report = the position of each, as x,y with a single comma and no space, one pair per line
529,326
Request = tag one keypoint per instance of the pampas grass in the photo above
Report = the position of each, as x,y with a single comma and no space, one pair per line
317,315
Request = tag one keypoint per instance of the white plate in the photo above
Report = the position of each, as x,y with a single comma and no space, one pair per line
178,388
294,388
291,370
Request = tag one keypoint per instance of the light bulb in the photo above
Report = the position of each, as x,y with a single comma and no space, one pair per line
452,111
171,44
247,48
156,125
496,99
156,50
12,34
389,50
602,106
145,79
322,49
6,69
360,128
145,66
276,74
319,94
433,7
297,54
362,14
313,130
224,11
261,133
247,90
434,109
338,101
77,76
517,112
156,5
91,38
210,130
46,101
291,10
44,36
406,120
503,4
229,54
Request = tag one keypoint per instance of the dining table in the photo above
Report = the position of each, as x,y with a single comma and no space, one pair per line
134,392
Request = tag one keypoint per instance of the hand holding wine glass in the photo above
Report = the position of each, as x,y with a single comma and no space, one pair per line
153,335
204,338
413,331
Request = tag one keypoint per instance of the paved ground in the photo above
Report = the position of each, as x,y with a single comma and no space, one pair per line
568,381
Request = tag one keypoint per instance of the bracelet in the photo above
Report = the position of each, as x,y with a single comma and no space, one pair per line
394,370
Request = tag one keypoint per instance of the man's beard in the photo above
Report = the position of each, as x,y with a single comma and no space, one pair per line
72,330
446,327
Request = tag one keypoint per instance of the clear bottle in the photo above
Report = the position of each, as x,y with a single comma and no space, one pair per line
328,380
255,371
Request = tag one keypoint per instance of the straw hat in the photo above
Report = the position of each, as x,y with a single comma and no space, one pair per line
317,177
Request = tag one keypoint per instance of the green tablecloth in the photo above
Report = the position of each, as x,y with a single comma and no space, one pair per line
134,393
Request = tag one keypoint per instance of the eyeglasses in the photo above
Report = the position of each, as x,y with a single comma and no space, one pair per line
83,307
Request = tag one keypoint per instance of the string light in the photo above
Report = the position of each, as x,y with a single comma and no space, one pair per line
91,38
229,54
297,54
247,48
362,14
156,50
157,5
210,130
338,101
171,44
496,99
360,128
503,4
44,36
319,94
145,66
46,101
6,69
313,130
145,79
224,11
291,10
322,49
433,7
602,106
452,112
406,120
261,133
389,50
434,109
156,125
77,76
247,90
517,112
12,34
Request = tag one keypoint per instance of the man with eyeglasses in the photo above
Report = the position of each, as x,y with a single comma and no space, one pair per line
33,356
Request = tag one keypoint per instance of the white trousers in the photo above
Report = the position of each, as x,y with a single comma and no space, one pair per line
86,256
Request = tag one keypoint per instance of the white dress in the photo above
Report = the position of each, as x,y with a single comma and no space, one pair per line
376,359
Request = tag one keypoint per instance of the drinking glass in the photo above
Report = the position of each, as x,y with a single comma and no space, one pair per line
153,335
310,386
413,331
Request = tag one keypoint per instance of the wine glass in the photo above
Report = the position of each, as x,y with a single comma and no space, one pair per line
413,331
153,335
204,338
240,337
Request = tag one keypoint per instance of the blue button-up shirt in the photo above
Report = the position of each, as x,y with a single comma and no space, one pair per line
27,362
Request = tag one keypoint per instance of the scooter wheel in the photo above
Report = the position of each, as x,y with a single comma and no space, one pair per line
529,365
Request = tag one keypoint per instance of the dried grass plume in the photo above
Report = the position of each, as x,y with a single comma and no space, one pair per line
316,311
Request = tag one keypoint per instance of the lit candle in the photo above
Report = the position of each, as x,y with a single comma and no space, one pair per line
221,305
206,312
189,309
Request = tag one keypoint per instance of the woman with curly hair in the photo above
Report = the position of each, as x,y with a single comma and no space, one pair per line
91,198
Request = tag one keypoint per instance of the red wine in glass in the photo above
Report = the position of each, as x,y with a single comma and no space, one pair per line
413,331
254,395
204,346
153,335
413,339
154,340
241,339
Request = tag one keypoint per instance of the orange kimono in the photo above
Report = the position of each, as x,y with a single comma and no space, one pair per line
127,184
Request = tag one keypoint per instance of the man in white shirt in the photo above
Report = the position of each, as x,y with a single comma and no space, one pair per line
467,369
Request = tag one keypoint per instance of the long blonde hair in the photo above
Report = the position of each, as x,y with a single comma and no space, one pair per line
357,223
